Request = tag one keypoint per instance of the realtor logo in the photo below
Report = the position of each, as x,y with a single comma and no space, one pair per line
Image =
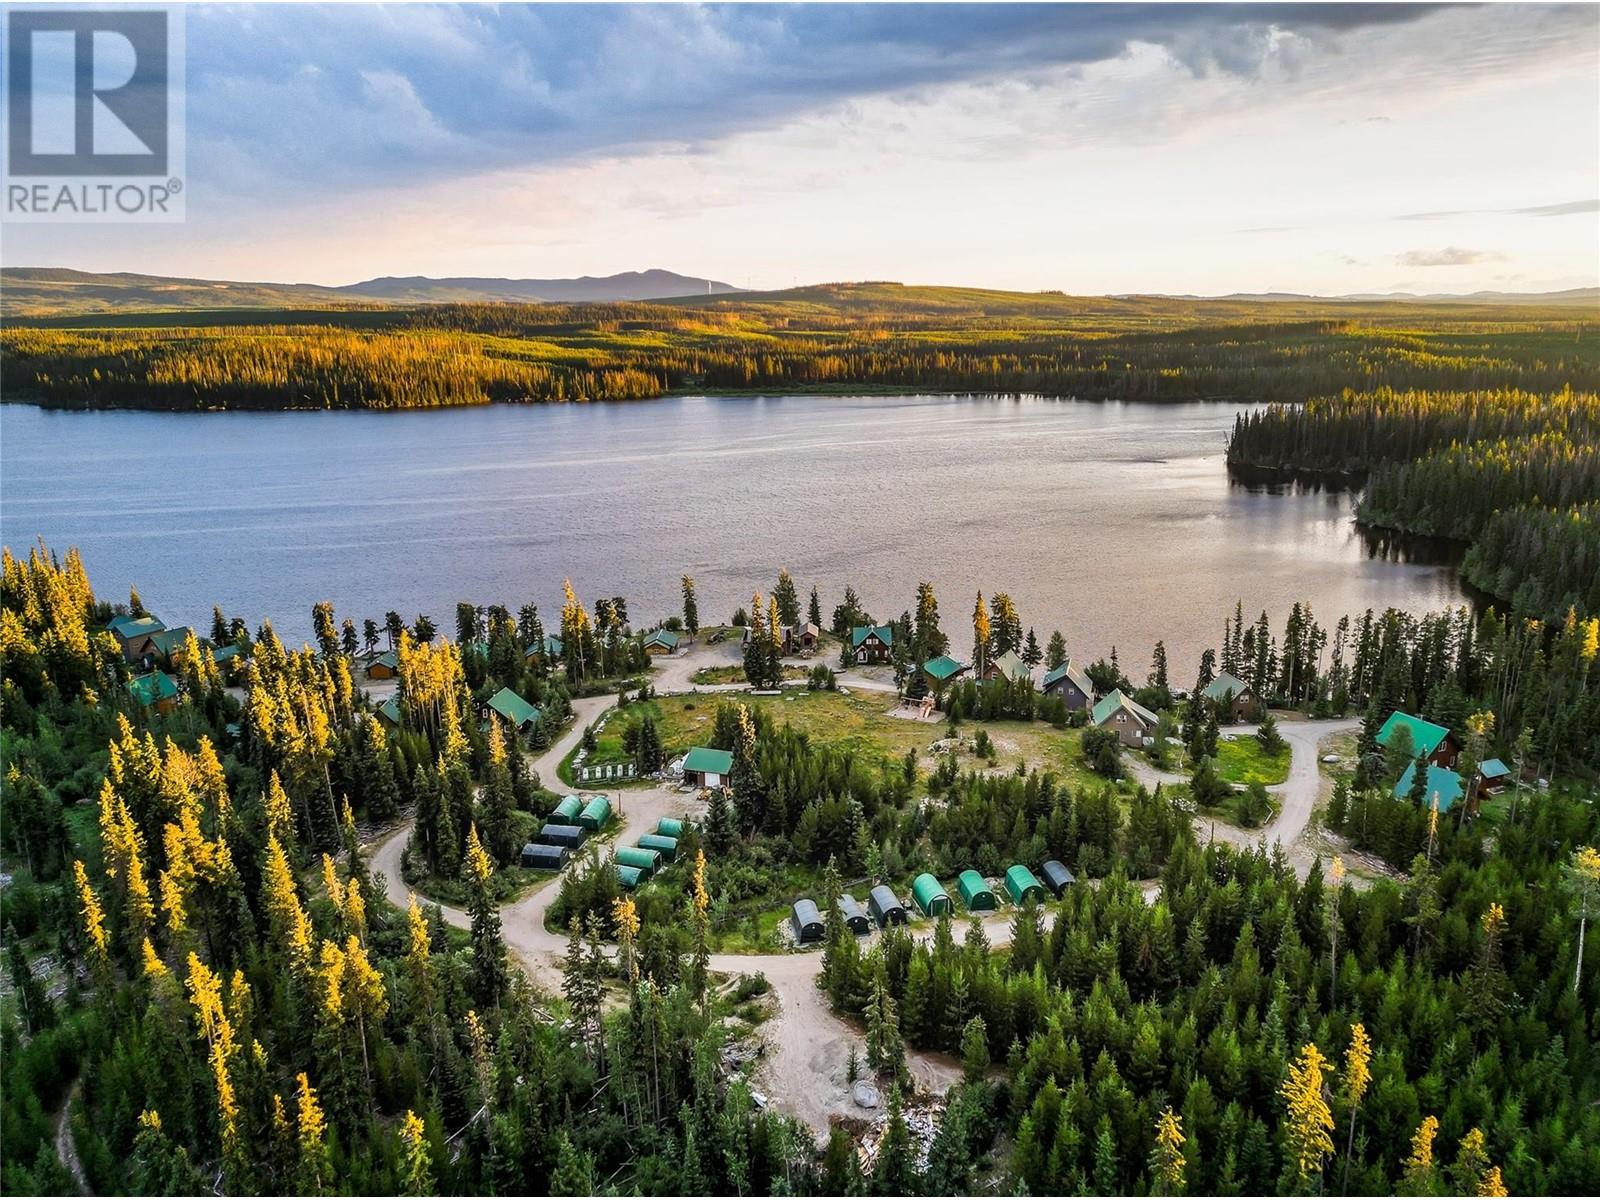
93,117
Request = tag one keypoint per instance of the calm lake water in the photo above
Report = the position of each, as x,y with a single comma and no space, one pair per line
1116,523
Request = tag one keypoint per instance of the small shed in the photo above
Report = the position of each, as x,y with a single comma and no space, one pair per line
567,811
595,814
1493,775
630,877
648,861
886,907
807,922
385,666
671,827
544,858
975,893
704,767
556,834
1058,876
156,690
665,846
932,899
1023,885
854,915
661,641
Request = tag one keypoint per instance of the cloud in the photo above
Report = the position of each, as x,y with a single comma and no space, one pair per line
1568,209
1449,256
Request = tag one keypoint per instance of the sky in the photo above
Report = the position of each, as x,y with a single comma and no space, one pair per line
1088,148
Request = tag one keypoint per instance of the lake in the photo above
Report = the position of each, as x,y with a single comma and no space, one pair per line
1116,523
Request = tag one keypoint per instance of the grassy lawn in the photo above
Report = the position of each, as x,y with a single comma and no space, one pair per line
734,673
1244,761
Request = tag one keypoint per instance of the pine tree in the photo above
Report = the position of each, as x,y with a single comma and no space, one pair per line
787,599
490,975
691,607
895,1171
1055,653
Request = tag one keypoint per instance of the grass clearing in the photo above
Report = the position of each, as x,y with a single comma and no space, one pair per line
1244,761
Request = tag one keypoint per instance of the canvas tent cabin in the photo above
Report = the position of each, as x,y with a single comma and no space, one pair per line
630,877
932,899
885,907
807,922
1232,697
1058,877
940,671
555,834
1441,783
1071,684
703,767
665,846
1021,883
671,827
975,892
661,641
872,643
567,811
385,666
135,636
855,917
646,860
1132,722
1493,775
1007,666
595,814
156,690
1432,742
544,858
512,709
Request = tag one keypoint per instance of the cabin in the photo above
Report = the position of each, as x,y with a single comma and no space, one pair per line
1441,784
704,767
1071,684
170,645
596,812
667,847
647,861
1058,877
802,639
885,907
932,899
661,642
807,922
1008,666
1232,697
1023,885
553,833
1432,742
544,858
136,636
855,917
156,690
1133,722
1493,775
389,713
512,709
975,892
940,671
226,658
385,666
549,650
872,643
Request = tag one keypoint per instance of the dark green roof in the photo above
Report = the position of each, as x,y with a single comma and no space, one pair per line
128,626
152,688
662,637
1110,704
389,658
925,890
513,707
390,708
1226,686
1425,735
1012,666
223,654
1020,881
861,632
1067,671
168,640
943,667
704,760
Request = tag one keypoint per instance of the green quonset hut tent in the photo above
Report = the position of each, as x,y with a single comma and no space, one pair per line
595,814
671,827
930,897
648,861
566,813
975,893
665,846
630,877
1022,883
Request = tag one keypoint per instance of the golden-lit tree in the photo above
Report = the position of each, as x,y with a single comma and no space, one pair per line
1308,1123
1167,1160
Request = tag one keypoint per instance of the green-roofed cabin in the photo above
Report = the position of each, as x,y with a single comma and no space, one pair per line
1231,696
932,899
671,827
1132,722
1432,742
389,712
549,649
595,814
872,643
567,811
661,641
633,856
1440,783
385,666
170,645
704,767
136,636
1070,683
1493,775
1021,884
1007,666
512,709
665,846
975,893
155,690
940,671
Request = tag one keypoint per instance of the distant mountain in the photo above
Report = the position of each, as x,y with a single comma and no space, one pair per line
57,291
654,284
1587,295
